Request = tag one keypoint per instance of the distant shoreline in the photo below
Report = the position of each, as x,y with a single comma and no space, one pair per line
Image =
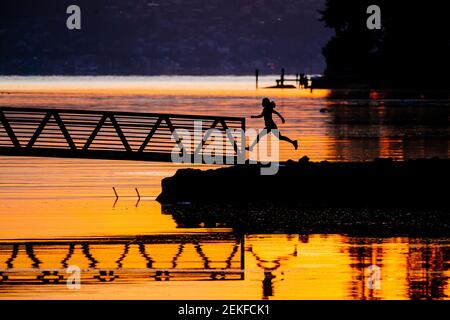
318,83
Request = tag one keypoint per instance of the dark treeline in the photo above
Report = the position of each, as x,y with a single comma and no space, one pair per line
411,50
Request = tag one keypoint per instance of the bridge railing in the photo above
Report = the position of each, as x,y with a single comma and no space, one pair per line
117,135
194,257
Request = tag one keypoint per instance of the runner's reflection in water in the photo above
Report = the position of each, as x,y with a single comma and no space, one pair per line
269,267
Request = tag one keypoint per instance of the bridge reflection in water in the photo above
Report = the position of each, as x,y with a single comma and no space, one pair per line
158,258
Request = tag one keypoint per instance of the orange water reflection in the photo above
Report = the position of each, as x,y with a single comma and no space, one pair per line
329,127
71,198
276,267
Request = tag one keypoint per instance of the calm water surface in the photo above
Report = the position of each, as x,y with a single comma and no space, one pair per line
70,199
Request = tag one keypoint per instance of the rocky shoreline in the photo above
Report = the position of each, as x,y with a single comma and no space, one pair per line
275,219
379,197
382,183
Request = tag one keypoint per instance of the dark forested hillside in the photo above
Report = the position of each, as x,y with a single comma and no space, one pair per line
411,50
162,37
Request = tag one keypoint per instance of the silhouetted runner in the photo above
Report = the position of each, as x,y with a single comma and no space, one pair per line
268,110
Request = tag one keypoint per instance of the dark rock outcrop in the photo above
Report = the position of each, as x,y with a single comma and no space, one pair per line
383,183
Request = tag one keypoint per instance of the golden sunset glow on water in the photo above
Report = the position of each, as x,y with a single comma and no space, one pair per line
158,85
306,267
72,200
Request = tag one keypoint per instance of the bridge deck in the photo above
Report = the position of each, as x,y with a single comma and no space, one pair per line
118,135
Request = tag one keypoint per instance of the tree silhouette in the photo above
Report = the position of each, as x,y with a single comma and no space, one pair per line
410,51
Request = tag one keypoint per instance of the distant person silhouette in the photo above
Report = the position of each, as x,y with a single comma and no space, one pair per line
303,81
268,110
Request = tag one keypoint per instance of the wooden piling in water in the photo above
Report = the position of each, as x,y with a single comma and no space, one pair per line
137,191
283,73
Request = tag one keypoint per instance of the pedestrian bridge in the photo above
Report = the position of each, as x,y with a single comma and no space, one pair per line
118,135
